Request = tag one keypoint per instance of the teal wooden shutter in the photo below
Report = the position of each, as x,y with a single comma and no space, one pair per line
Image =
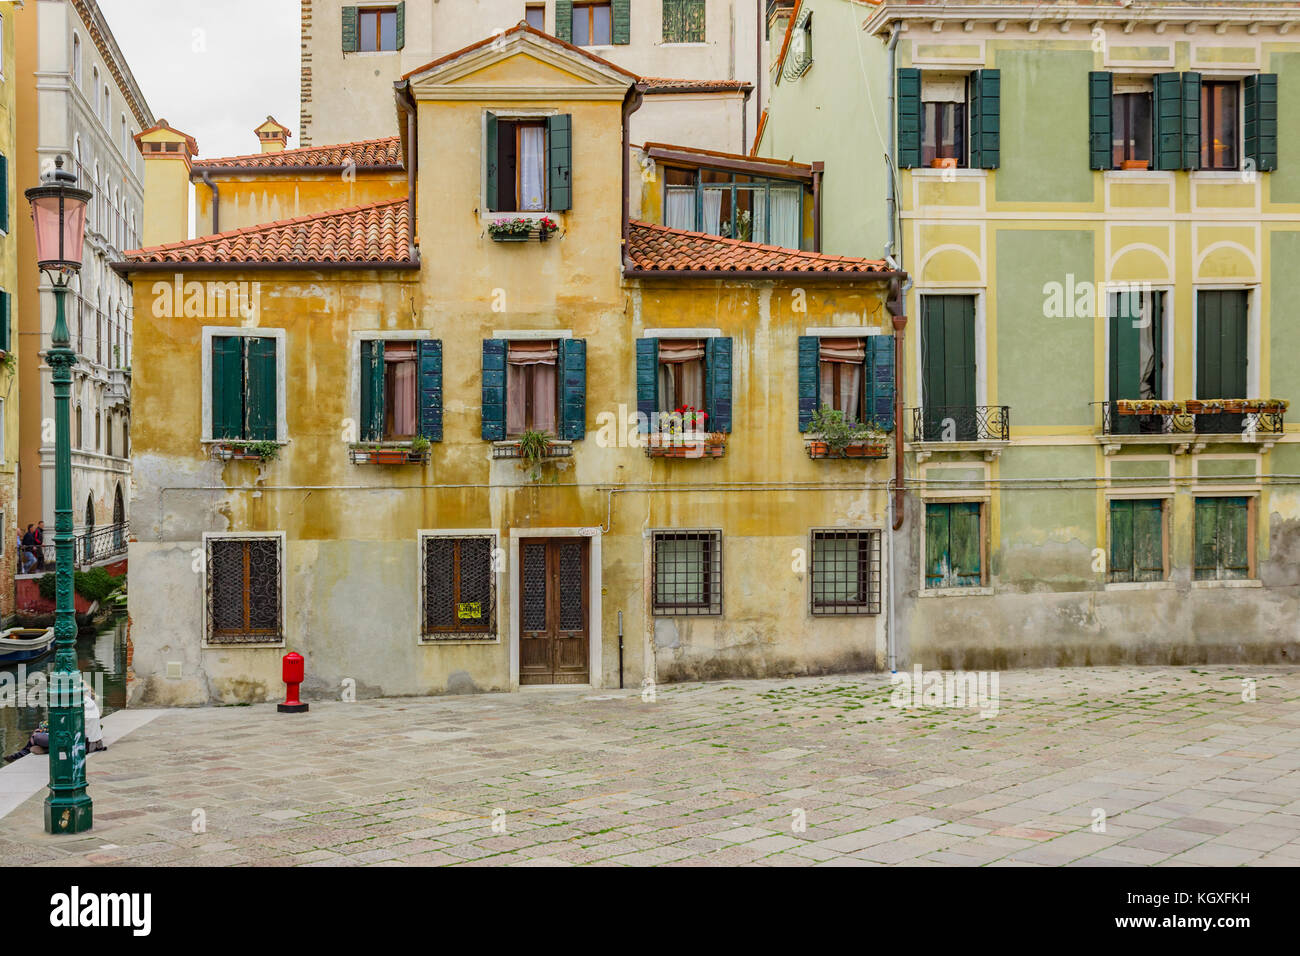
1121,542
1205,548
4,192
372,390
573,389
809,379
948,365
621,11
878,382
964,543
1233,529
1167,110
717,384
227,387
1100,107
1191,121
909,118
936,544
490,165
260,400
6,320
349,29
494,389
559,161
986,119
1261,121
401,25
431,389
564,20
647,383
1221,339
1148,541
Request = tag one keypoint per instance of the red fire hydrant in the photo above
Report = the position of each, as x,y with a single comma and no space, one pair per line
294,671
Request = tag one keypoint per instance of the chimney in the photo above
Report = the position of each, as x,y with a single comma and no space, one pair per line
168,154
272,135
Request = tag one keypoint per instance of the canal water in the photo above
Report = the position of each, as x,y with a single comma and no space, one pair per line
101,657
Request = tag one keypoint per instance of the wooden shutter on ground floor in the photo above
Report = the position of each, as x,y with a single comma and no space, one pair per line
809,379
260,398
430,385
986,119
1261,121
494,389
647,383
1223,545
1167,118
227,387
1136,540
1100,106
572,420
372,390
878,381
909,118
559,161
717,383
952,544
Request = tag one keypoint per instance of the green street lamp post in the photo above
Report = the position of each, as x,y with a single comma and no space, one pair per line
59,214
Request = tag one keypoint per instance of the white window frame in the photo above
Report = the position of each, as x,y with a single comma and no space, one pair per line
212,331
498,592
284,597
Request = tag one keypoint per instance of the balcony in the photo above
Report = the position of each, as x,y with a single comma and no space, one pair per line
1189,425
118,391
979,428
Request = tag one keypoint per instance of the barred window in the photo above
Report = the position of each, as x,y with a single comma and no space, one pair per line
845,572
459,598
687,572
244,605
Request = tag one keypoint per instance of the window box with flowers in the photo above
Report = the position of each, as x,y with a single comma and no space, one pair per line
414,452
521,229
834,437
245,450
682,433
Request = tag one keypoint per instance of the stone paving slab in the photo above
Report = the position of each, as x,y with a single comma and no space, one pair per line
1172,766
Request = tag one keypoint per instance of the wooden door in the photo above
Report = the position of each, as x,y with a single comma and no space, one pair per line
553,600
948,367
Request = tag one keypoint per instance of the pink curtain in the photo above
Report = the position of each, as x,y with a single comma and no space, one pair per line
403,405
681,360
846,355
535,361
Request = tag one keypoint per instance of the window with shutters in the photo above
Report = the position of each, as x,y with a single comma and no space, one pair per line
1131,125
734,205
1220,119
528,163
1137,541
534,385
1224,539
458,596
852,375
687,572
593,24
244,588
948,368
243,375
845,572
943,120
374,29
1137,359
683,21
6,321
1222,354
400,386
677,373
954,544
949,119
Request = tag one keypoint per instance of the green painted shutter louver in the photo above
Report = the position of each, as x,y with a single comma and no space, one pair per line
647,383
372,390
621,11
809,361
878,386
717,383
952,545
6,320
948,379
1222,549
1261,121
909,118
1136,541
349,29
564,20
559,161
431,389
1100,107
573,389
1121,542
260,398
1221,339
227,387
494,389
986,119
1167,107
1191,120
1205,550
491,161
401,25
4,193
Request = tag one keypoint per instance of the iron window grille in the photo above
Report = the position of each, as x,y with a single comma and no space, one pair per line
845,572
244,591
686,573
458,581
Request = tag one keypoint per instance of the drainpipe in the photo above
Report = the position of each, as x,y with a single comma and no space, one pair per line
206,176
898,312
760,20
631,103
891,196
817,169
406,105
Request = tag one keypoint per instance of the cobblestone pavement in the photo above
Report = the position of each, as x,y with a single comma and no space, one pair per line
1185,770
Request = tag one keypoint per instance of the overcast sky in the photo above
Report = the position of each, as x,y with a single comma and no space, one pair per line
213,68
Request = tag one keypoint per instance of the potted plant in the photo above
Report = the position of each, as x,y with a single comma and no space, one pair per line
420,446
520,229
534,448
246,450
948,162
1193,406
1135,164
1234,405
838,438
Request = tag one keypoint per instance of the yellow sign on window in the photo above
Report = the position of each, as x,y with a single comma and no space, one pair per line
472,609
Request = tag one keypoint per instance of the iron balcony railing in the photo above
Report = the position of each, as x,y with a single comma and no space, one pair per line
1191,417
950,423
89,546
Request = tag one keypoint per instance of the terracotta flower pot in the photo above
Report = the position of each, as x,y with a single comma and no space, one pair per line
1135,164
948,163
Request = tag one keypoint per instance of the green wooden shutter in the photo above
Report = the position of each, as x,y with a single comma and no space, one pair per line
564,20
372,390
1191,121
573,389
1167,110
1148,541
1233,538
1221,339
401,25
1121,541
878,385
4,192
647,383
227,387
1205,550
260,400
965,543
809,379
559,161
1100,110
6,320
948,365
490,164
717,383
431,389
349,29
986,119
494,389
1261,121
621,11
936,544
909,118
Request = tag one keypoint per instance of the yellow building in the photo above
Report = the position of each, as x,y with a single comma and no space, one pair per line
10,209
429,440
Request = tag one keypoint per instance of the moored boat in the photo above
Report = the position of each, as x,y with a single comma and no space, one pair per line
25,644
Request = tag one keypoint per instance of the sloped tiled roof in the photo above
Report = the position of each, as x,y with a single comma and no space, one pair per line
663,84
373,233
364,153
655,248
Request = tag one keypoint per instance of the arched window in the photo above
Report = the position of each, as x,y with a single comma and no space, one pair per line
76,59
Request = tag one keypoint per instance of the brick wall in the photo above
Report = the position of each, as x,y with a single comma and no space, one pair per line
304,115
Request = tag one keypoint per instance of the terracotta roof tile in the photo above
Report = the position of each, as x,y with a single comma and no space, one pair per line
655,248
376,232
663,84
364,153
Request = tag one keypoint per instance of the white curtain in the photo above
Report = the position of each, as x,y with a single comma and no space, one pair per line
532,169
679,209
785,224
1148,388
713,211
